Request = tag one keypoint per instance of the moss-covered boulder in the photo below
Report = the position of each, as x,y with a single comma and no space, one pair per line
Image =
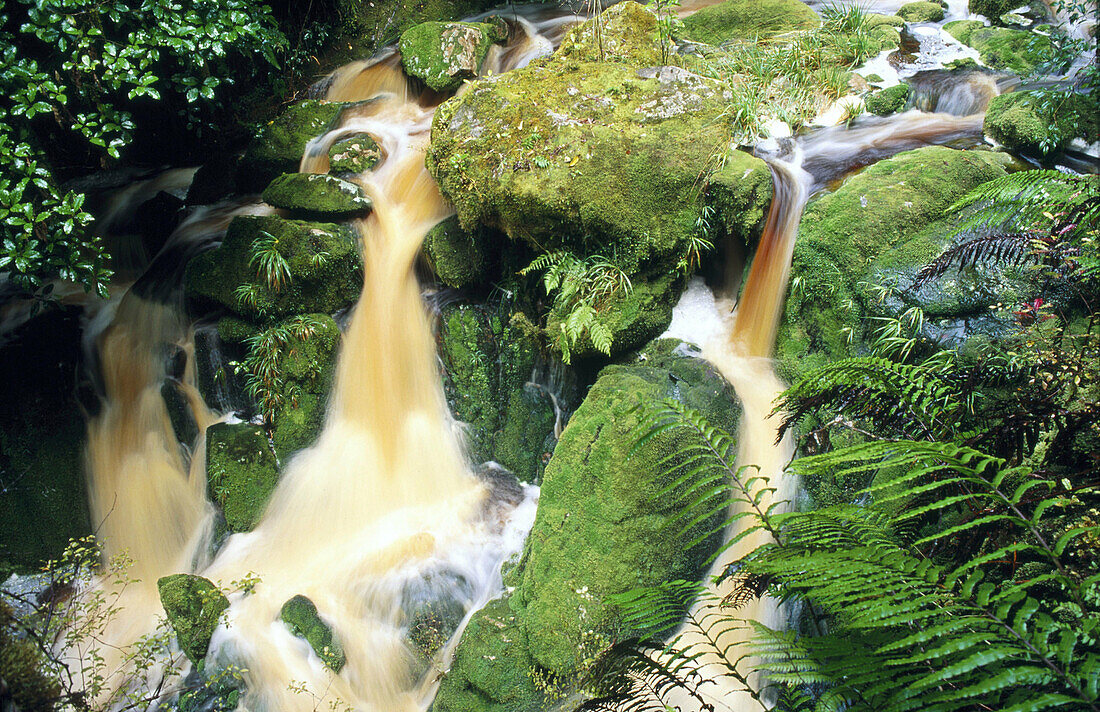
307,364
491,671
594,157
921,12
43,500
627,34
322,259
488,358
1001,47
301,617
194,606
353,155
279,147
1042,123
443,54
886,101
316,196
745,19
846,236
241,472
992,9
874,19
603,527
462,258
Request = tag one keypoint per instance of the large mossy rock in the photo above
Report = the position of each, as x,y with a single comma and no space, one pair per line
43,498
316,196
603,527
301,617
887,101
862,229
1001,47
922,11
326,270
488,358
241,472
194,606
443,54
353,155
279,147
595,157
1037,124
745,19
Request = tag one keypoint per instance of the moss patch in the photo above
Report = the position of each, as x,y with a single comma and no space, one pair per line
308,367
323,260
1000,47
744,19
462,258
921,12
241,472
886,101
316,196
1041,123
194,607
300,615
279,147
353,155
443,54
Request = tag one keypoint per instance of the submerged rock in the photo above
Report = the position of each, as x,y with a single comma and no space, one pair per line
353,155
300,615
886,101
316,196
443,54
194,606
323,269
1038,124
604,526
279,147
866,226
746,19
241,472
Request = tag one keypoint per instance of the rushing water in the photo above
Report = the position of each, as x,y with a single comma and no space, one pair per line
382,512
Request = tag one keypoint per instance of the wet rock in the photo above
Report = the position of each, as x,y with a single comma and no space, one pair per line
745,19
1040,124
867,225
921,12
179,412
219,383
214,180
886,101
307,364
443,54
279,147
354,155
462,258
194,606
601,529
322,259
241,472
301,617
316,196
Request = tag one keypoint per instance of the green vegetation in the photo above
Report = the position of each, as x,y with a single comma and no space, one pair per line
747,20
317,196
74,75
194,607
886,101
300,615
353,155
925,11
443,54
241,472
1041,122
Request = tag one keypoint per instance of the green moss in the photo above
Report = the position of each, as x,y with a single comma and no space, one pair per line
886,101
308,367
461,258
241,472
316,196
992,9
1000,47
491,670
353,155
443,54
921,12
323,259
628,35
740,193
279,147
601,527
745,19
300,615
22,664
487,362
588,157
875,19
864,227
194,607
43,500
234,330
1041,123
